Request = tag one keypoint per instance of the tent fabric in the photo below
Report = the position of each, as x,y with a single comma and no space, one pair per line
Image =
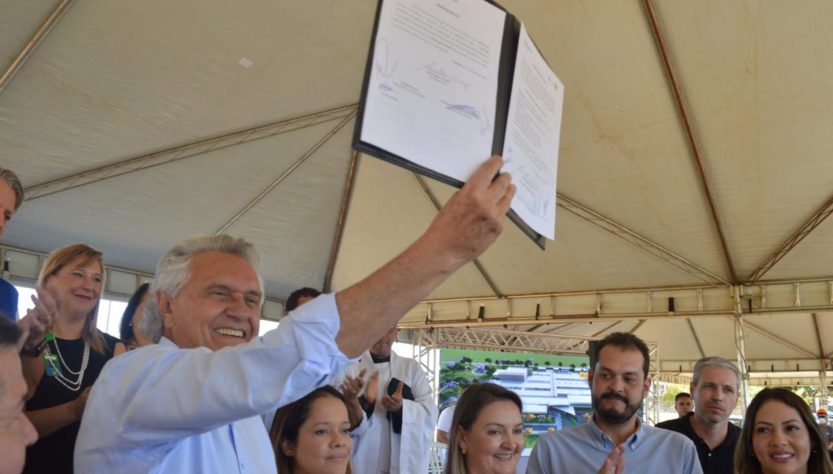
113,81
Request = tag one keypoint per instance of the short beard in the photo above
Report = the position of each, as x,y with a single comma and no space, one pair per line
712,420
613,417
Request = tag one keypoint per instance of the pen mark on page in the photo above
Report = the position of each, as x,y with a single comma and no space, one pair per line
439,74
384,64
534,187
472,112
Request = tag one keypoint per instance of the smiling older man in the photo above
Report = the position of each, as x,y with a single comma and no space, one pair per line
191,402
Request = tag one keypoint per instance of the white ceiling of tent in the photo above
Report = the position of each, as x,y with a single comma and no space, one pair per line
119,80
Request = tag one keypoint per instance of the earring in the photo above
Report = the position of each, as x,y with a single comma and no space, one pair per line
464,451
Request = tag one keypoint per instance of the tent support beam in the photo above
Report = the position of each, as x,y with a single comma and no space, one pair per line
808,226
346,199
480,268
188,150
637,326
818,335
822,361
696,339
689,131
561,326
583,305
638,240
561,319
743,366
565,320
598,333
779,339
285,174
33,43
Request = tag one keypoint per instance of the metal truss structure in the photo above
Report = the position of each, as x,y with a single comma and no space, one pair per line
504,340
740,303
426,341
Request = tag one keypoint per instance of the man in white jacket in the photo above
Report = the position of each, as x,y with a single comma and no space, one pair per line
399,416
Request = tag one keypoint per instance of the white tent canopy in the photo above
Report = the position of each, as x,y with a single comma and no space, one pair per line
135,124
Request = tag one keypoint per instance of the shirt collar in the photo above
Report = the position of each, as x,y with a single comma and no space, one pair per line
605,442
379,359
165,342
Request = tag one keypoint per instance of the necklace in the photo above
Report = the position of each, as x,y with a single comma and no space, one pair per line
49,358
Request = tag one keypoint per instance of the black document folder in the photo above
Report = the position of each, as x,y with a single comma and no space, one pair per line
397,98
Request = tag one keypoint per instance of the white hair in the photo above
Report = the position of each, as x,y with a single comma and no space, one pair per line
174,269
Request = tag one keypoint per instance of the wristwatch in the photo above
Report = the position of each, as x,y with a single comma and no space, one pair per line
35,351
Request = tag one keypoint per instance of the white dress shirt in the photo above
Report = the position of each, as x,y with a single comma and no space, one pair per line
163,409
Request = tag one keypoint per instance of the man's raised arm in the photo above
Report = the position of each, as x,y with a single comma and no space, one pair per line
464,228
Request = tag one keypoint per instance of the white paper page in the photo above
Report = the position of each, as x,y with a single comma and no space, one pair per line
431,96
533,130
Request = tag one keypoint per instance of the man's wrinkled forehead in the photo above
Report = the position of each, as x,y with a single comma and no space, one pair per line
210,268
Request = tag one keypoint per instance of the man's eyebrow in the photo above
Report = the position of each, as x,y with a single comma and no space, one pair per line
222,286
608,369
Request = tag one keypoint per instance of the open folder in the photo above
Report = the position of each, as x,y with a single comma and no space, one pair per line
451,82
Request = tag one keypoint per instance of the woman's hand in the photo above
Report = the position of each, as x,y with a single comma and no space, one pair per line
80,403
38,320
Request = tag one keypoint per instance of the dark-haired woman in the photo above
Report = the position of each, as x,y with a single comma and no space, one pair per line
312,435
780,435
130,328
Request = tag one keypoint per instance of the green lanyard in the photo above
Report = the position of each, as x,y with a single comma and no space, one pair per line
51,363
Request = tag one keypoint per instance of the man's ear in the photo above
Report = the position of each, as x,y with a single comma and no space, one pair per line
590,378
164,304
647,386
288,448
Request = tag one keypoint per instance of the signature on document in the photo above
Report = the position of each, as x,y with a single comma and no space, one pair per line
441,75
473,113
383,63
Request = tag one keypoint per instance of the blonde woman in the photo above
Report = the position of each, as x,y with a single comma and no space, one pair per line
487,432
61,368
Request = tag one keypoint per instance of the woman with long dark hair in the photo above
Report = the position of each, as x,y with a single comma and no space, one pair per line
780,435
